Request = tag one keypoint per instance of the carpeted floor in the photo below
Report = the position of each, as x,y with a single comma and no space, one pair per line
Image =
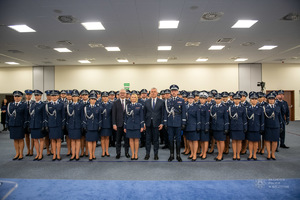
154,173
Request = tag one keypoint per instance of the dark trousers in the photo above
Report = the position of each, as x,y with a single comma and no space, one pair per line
152,134
113,138
166,136
120,134
174,133
282,134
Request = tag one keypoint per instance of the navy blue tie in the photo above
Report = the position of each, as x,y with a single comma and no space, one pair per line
153,103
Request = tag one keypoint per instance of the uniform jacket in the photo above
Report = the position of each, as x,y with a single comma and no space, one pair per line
74,113
204,117
285,112
256,118
237,118
106,112
219,118
192,117
55,114
273,118
17,114
92,117
37,114
175,112
134,116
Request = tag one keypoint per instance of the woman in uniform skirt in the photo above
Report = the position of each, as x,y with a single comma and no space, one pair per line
134,124
261,103
37,123
192,128
55,120
74,124
106,130
219,124
273,125
92,125
16,117
204,124
238,125
256,120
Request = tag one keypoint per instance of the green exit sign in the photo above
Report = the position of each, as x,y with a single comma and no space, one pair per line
126,86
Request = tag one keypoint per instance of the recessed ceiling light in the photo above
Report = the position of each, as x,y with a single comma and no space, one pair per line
168,24
202,59
22,28
162,60
62,50
192,44
122,60
216,47
84,61
112,48
93,26
267,47
12,63
241,59
244,23
164,48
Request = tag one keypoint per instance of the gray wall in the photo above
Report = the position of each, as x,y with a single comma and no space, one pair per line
43,78
249,75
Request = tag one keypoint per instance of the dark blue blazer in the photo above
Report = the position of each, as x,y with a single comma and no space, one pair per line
192,117
273,118
17,115
285,112
74,113
55,114
134,117
237,118
204,117
219,118
92,117
256,118
106,111
156,115
175,112
37,115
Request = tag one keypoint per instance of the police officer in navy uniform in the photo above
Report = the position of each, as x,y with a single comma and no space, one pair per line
142,101
167,95
92,123
74,118
29,142
210,102
238,125
55,121
153,112
261,102
244,103
273,125
227,103
219,124
175,120
46,131
285,113
37,123
84,101
256,125
192,128
204,124
106,130
16,119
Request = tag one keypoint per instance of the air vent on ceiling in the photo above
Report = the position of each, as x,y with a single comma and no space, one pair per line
96,45
172,58
291,17
225,40
64,42
67,19
61,60
47,62
247,44
211,16
41,46
192,44
15,51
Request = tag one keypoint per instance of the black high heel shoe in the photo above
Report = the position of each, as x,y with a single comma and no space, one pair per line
203,158
77,159
90,159
41,158
54,159
107,155
103,155
36,158
211,152
268,158
233,158
249,158
190,157
72,158
15,158
193,160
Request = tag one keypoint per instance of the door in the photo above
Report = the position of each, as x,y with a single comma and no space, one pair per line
289,97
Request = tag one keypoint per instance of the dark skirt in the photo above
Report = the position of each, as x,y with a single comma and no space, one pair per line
74,134
184,133
106,132
192,135
3,118
253,136
272,134
204,137
237,135
16,133
36,133
92,136
55,132
219,135
133,133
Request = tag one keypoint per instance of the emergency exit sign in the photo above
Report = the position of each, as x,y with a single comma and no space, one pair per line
126,86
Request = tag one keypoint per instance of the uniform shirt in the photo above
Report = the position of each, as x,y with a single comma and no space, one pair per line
192,117
134,116
55,114
219,117
204,117
273,118
37,114
17,114
106,112
92,117
175,112
256,118
237,118
74,115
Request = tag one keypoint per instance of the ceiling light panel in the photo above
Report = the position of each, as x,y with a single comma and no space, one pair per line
244,23
22,28
162,60
216,47
62,50
241,59
164,48
267,47
168,24
84,61
202,59
112,48
122,60
93,26
12,63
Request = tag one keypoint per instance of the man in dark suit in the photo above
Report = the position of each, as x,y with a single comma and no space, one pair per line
153,111
118,112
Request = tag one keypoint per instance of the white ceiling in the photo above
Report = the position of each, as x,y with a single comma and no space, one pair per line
132,25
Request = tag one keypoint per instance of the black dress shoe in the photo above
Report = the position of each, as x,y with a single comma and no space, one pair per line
203,158
238,159
190,157
198,156
136,158
171,158
249,158
20,158
59,159
94,158
178,158
277,150
215,158
16,158
81,156
273,158
233,158
127,155
211,152
77,159
193,160
68,154
86,155
48,154
147,157
28,154
261,153
183,153
165,147
53,159
41,158
156,157
132,158
243,153
118,156
102,156
284,146
268,158
107,155
35,159
187,153
254,158
218,159
90,159
71,159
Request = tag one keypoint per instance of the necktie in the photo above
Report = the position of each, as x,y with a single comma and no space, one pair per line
153,103
123,105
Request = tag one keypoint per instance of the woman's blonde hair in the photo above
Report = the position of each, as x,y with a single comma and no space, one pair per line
134,94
